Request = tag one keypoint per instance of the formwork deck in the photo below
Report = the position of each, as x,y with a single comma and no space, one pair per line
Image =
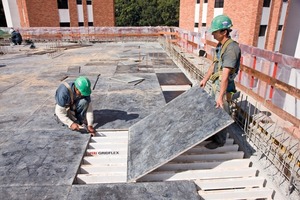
41,158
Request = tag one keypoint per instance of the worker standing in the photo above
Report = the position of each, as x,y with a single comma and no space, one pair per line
223,70
73,104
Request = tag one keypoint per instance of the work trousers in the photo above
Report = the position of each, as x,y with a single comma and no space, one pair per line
78,112
220,137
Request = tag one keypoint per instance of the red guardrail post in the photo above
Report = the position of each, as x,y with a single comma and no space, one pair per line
274,76
252,77
240,72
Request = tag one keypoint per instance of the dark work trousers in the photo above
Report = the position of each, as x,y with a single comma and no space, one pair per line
81,108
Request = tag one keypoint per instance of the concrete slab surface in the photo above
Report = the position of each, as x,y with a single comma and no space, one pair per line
35,192
175,190
127,78
39,158
180,125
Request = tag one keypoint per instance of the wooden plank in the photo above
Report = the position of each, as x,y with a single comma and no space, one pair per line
198,174
104,160
109,140
203,150
226,165
245,182
269,105
175,87
112,133
110,145
96,169
295,92
209,157
187,166
89,179
229,141
115,146
104,165
254,193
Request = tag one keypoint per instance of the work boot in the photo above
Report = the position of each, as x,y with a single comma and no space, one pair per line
213,145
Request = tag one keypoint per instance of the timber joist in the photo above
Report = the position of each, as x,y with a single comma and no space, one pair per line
221,173
218,172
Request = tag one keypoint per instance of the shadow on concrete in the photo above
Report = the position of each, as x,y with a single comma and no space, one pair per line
102,117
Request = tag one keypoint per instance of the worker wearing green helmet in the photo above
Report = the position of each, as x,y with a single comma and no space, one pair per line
73,104
223,70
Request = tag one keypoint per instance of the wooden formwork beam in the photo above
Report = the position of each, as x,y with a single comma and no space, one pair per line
199,174
253,193
295,92
269,105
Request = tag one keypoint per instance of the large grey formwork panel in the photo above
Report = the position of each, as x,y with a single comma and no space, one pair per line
180,125
175,190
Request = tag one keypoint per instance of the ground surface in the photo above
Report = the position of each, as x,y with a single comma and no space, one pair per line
38,157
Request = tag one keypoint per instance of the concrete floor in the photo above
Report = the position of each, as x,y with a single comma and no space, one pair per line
39,158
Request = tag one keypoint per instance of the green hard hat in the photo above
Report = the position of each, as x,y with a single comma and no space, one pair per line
83,84
220,22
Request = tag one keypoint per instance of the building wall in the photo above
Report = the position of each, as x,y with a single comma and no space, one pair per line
187,14
37,13
245,21
73,13
273,24
291,38
11,13
104,12
247,17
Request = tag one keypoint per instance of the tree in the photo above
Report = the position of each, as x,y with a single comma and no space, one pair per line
169,10
127,13
147,13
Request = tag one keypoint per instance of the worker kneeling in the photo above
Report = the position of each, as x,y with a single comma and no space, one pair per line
73,104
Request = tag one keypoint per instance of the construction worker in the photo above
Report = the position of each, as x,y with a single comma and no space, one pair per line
222,71
16,37
73,105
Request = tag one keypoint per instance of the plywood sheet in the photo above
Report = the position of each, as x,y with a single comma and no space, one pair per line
180,125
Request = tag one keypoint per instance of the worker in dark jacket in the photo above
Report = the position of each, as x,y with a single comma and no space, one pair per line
73,105
16,37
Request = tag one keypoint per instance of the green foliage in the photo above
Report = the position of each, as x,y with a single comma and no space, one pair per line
169,12
4,34
147,13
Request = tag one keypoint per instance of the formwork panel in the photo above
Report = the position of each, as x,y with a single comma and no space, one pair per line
180,125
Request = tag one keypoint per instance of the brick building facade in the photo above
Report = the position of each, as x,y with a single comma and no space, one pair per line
259,23
59,13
